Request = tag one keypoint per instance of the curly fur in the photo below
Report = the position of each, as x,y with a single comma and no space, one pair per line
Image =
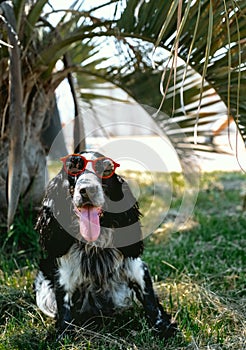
79,280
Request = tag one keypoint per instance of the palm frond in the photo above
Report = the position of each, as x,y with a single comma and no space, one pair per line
210,42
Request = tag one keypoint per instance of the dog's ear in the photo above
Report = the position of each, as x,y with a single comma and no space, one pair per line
122,213
54,217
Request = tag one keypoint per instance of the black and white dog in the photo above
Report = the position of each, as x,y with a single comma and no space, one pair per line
90,231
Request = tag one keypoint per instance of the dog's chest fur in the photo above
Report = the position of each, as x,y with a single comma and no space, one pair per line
97,280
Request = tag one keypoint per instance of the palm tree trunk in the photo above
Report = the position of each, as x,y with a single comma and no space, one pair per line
16,116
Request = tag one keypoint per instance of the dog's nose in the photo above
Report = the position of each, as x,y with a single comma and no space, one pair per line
87,193
84,194
88,190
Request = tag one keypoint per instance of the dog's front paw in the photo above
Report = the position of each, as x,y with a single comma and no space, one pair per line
164,327
165,330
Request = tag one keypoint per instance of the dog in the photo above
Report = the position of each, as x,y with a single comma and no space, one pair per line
90,233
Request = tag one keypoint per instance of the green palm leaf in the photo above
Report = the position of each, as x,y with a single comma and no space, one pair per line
212,48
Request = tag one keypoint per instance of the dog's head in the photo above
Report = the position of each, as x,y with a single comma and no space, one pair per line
101,199
86,173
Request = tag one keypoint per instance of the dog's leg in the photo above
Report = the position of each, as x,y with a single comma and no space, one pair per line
63,317
141,283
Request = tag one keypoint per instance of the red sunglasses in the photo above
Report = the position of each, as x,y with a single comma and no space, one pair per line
75,164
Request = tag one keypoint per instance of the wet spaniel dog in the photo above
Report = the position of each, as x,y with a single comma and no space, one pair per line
91,235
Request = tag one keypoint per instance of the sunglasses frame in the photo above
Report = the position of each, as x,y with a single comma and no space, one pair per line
86,161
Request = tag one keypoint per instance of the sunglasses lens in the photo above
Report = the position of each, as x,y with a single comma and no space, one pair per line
104,167
74,164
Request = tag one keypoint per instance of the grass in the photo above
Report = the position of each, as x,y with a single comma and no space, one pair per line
199,273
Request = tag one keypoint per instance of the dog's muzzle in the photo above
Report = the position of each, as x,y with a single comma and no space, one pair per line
88,202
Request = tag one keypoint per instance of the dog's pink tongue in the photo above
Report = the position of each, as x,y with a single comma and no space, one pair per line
89,223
